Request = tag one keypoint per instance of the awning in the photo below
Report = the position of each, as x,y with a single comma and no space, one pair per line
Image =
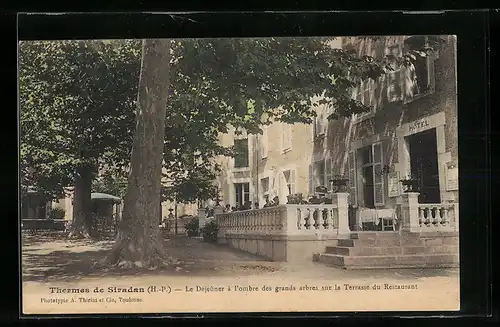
105,197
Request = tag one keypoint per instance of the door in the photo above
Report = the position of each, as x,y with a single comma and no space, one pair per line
424,165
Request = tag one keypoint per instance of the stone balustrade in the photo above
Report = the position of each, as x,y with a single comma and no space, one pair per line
288,232
260,221
436,216
285,219
422,217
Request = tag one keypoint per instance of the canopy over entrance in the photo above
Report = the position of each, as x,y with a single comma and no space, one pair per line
105,197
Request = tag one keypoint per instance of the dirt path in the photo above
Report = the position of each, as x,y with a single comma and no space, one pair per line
55,262
46,259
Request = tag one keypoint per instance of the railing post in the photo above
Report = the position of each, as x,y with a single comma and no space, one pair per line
291,219
222,221
409,208
340,199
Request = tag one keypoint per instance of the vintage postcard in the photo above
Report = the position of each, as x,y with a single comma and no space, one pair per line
303,174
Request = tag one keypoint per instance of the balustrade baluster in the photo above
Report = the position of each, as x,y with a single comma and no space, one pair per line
437,216
445,219
335,214
326,222
320,225
428,216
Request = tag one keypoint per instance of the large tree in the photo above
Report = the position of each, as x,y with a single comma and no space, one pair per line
138,238
215,84
77,101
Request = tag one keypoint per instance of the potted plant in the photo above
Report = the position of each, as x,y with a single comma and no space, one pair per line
411,184
340,184
321,189
209,232
192,227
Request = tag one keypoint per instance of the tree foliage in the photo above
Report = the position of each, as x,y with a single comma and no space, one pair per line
78,97
77,101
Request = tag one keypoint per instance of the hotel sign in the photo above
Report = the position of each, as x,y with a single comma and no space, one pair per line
418,126
452,179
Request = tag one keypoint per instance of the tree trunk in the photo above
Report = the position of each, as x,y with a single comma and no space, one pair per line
82,213
138,241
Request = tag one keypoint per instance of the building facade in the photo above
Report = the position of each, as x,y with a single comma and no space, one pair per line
411,131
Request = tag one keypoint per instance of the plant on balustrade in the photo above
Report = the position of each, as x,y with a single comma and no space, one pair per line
297,198
339,184
319,200
411,184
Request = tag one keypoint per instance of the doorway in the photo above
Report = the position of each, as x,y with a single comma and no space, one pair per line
424,165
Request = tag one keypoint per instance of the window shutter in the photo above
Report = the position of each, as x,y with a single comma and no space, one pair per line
378,178
286,136
292,181
264,143
279,190
410,84
353,199
289,136
394,85
320,122
311,186
328,173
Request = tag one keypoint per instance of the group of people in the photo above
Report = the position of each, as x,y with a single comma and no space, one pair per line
249,206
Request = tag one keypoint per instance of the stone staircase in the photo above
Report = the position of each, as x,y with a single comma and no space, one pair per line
365,250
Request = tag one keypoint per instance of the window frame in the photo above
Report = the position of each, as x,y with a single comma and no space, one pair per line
242,140
430,62
286,137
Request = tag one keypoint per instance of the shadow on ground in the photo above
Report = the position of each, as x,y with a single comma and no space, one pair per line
52,258
56,259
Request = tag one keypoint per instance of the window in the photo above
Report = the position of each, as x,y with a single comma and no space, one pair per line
241,153
328,173
319,123
264,182
290,181
242,191
264,143
286,137
319,174
420,73
365,93
372,176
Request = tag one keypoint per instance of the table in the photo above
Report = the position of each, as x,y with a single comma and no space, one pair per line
377,216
